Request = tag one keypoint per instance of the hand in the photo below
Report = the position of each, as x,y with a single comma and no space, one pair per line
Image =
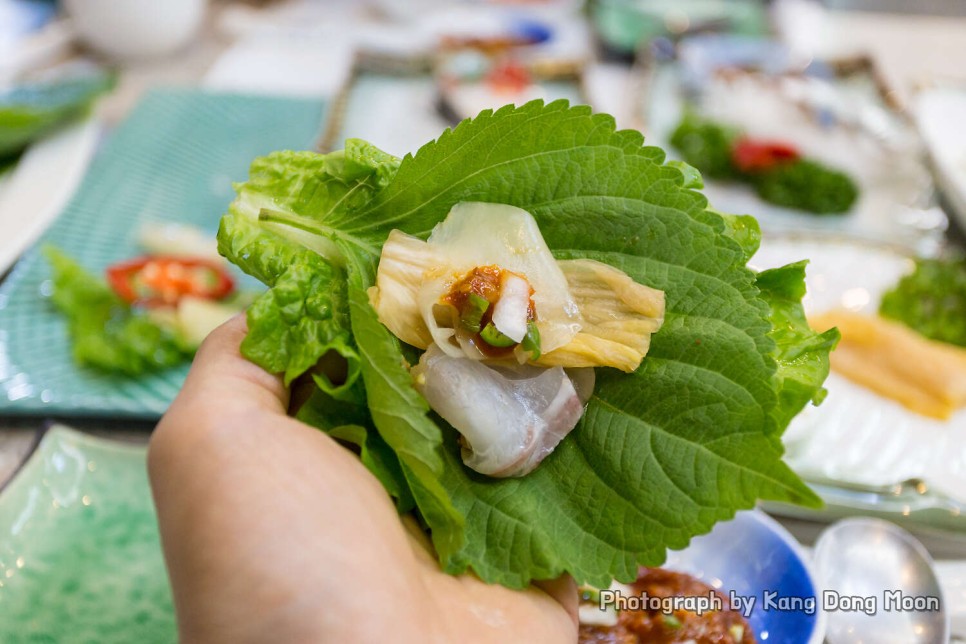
273,532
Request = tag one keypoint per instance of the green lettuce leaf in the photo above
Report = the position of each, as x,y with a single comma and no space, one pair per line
106,333
802,354
305,313
303,196
692,178
661,454
281,227
744,230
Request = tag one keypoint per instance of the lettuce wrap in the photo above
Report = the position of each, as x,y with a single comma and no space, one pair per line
660,454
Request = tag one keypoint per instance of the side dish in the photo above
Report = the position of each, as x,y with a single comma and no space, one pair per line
925,376
701,614
913,351
32,110
931,300
775,169
147,313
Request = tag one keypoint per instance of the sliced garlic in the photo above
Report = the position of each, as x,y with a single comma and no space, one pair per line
510,311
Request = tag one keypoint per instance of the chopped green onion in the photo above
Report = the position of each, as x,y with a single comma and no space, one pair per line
531,341
589,594
492,336
670,621
473,312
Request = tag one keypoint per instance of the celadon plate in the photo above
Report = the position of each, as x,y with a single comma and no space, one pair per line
80,557
173,159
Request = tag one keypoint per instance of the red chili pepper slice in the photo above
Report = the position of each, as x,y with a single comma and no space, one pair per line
162,280
751,155
508,77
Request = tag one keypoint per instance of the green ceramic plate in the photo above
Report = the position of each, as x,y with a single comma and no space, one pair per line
173,159
80,559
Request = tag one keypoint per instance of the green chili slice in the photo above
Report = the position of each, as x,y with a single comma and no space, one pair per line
531,341
670,621
492,336
472,315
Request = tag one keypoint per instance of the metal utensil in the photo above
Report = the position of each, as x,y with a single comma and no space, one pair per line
914,492
914,486
880,585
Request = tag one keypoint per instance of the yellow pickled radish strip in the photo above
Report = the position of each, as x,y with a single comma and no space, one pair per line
925,376
856,366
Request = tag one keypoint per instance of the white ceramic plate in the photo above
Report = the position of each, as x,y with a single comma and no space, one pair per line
870,142
857,436
38,188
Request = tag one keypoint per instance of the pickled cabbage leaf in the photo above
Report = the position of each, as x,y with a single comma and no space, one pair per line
662,453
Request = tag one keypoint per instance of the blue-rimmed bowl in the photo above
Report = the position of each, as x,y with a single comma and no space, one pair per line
755,558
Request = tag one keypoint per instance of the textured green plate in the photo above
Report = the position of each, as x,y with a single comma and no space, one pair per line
173,159
80,558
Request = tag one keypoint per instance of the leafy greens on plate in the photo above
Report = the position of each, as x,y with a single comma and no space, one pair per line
33,110
931,300
106,333
660,454
122,326
775,169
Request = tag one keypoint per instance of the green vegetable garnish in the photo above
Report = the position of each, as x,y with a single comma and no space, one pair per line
106,333
807,185
706,146
30,111
531,341
492,336
663,453
931,300
670,621
589,594
476,307
801,183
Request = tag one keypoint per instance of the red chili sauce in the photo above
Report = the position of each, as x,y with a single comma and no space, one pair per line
640,626
486,282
